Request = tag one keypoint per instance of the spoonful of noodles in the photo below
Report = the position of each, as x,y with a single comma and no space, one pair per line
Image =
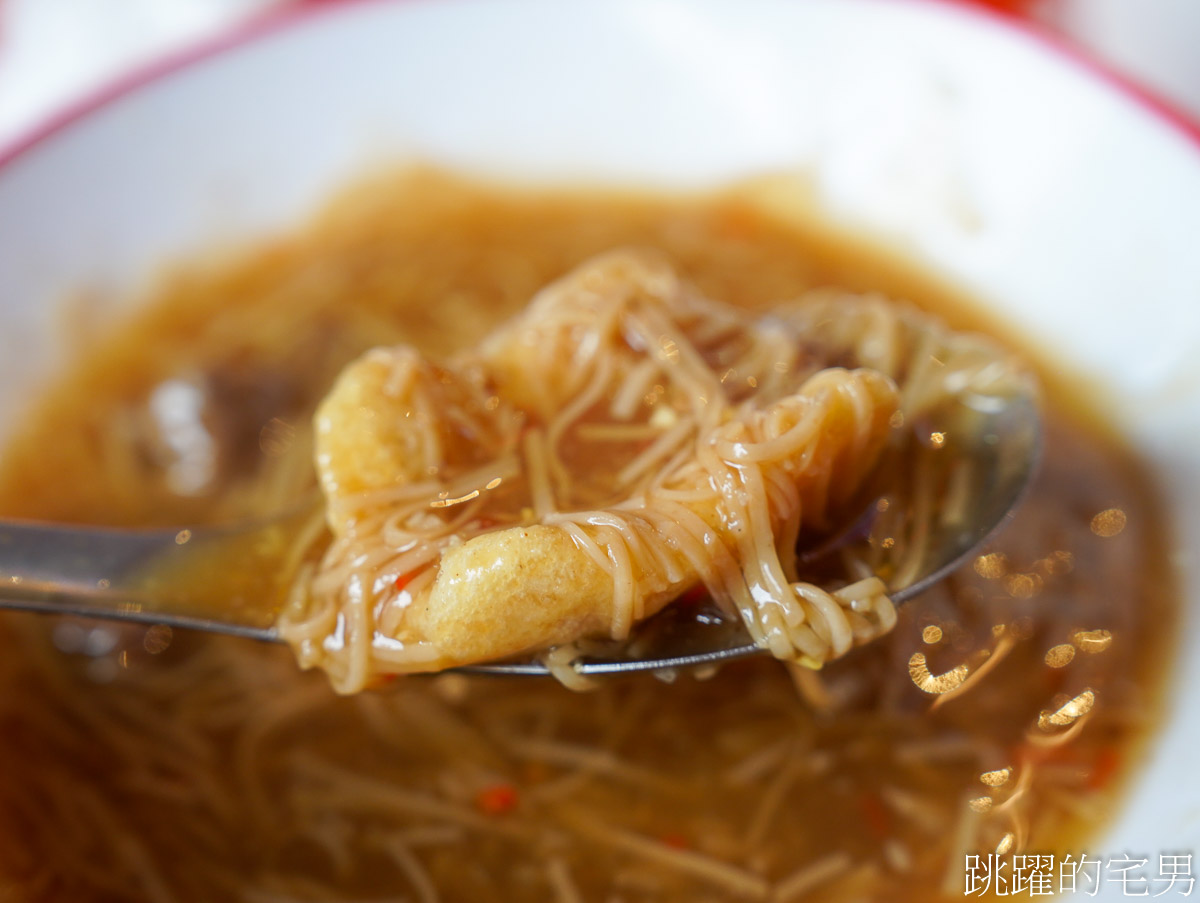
627,476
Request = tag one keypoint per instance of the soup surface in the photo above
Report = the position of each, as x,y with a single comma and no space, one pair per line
137,764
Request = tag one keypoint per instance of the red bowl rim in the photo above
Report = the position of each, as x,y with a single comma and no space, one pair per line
278,19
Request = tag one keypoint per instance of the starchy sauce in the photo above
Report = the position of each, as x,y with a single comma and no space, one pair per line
999,716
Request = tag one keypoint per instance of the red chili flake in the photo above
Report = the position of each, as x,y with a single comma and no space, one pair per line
674,840
405,579
498,799
875,814
1104,768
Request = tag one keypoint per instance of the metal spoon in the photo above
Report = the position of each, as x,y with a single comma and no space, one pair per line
977,457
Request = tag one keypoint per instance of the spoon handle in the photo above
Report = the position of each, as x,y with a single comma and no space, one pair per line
227,581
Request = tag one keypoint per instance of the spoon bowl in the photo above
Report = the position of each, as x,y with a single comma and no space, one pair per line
968,465
954,479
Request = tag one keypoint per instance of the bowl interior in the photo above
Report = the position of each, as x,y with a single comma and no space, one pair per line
1022,176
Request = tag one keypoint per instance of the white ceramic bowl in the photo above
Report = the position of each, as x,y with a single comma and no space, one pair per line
1053,193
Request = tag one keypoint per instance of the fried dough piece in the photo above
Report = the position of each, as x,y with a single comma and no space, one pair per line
529,588
618,442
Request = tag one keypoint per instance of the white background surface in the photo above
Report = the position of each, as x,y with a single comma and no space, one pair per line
54,51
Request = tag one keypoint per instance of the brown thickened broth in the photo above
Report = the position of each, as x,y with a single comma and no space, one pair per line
998,716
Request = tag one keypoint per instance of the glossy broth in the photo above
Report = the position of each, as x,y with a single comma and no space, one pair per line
141,765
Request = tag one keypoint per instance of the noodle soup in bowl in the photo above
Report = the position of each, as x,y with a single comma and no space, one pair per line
912,147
